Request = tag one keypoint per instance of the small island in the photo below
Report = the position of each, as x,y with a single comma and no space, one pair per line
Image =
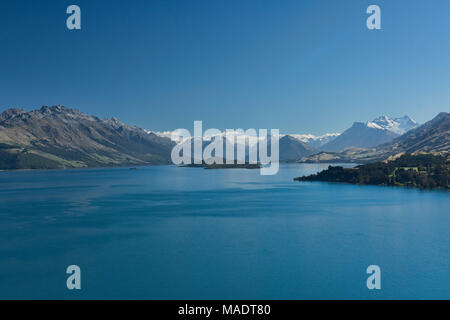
221,163
425,171
225,166
234,166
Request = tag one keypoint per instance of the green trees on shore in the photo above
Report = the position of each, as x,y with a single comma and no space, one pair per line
425,171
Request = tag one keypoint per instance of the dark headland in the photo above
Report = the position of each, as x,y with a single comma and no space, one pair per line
425,171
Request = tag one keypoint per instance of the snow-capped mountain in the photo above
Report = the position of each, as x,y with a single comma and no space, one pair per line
310,139
292,146
361,135
315,141
371,133
396,125
250,139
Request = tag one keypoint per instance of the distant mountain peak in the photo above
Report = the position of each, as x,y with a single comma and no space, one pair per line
371,133
368,134
56,109
397,125
315,141
10,113
442,115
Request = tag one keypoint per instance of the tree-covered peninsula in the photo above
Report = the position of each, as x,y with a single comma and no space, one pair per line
424,171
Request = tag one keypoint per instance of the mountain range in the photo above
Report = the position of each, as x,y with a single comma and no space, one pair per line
315,141
432,137
59,137
371,134
361,135
291,147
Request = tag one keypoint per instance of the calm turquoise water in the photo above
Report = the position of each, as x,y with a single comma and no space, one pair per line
188,233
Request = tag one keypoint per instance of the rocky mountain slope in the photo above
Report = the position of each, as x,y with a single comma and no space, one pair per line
59,137
433,136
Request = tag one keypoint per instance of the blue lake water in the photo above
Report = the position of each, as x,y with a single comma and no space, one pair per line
187,233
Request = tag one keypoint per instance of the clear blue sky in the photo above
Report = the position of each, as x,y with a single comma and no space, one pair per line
301,66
